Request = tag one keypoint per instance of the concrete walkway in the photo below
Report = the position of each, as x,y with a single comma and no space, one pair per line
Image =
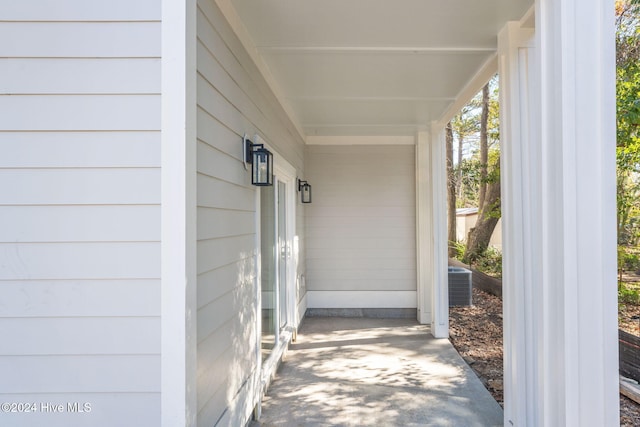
375,372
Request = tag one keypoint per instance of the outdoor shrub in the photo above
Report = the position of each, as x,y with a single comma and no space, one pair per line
628,296
628,260
459,248
490,262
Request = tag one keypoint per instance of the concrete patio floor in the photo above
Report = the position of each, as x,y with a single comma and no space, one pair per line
375,372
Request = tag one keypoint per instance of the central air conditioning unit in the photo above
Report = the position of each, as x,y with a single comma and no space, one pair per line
459,286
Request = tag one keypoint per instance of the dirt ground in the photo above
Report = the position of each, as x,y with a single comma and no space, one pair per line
476,332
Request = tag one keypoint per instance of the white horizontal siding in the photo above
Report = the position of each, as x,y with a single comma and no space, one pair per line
217,223
96,260
219,281
80,374
90,149
80,186
84,76
90,335
233,99
118,223
355,279
222,310
219,41
221,362
214,133
214,253
216,193
79,159
80,298
360,228
362,299
109,409
370,246
80,112
215,163
80,39
81,10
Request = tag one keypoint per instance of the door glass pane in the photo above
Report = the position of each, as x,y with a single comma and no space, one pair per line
268,267
284,252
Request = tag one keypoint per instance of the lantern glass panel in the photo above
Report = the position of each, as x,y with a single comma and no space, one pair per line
262,169
305,194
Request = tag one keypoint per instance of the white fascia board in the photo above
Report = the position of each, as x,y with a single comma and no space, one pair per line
361,140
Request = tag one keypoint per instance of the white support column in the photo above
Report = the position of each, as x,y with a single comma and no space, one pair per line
521,224
431,206
577,66
440,254
558,166
423,220
178,212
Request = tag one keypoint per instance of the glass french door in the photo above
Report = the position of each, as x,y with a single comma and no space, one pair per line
274,263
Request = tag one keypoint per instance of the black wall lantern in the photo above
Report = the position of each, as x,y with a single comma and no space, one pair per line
305,191
261,161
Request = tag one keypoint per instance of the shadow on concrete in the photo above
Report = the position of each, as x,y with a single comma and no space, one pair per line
375,372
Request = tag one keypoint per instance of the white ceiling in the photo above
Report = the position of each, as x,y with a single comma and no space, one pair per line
373,67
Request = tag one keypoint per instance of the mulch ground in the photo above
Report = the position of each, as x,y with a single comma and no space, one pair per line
476,332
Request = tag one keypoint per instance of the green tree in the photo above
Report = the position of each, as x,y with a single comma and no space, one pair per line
628,120
489,188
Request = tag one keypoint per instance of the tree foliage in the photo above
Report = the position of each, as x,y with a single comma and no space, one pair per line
466,127
474,180
628,120
489,189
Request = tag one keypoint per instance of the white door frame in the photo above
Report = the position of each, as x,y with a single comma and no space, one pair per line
286,173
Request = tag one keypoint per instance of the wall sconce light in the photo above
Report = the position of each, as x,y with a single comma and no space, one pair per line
305,191
261,161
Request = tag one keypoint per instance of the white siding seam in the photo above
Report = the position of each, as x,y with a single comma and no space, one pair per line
244,114
217,119
77,317
216,299
81,279
82,21
226,209
78,94
237,158
79,204
249,117
217,178
88,58
250,256
231,236
222,325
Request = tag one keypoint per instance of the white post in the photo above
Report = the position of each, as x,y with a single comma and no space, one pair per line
440,280
558,184
423,228
431,219
521,224
178,212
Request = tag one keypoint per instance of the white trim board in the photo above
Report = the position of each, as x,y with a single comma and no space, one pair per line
361,140
361,299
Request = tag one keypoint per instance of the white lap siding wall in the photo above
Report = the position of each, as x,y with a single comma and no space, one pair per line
233,99
79,211
361,248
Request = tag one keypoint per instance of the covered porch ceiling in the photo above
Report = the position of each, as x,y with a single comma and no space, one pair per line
372,67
